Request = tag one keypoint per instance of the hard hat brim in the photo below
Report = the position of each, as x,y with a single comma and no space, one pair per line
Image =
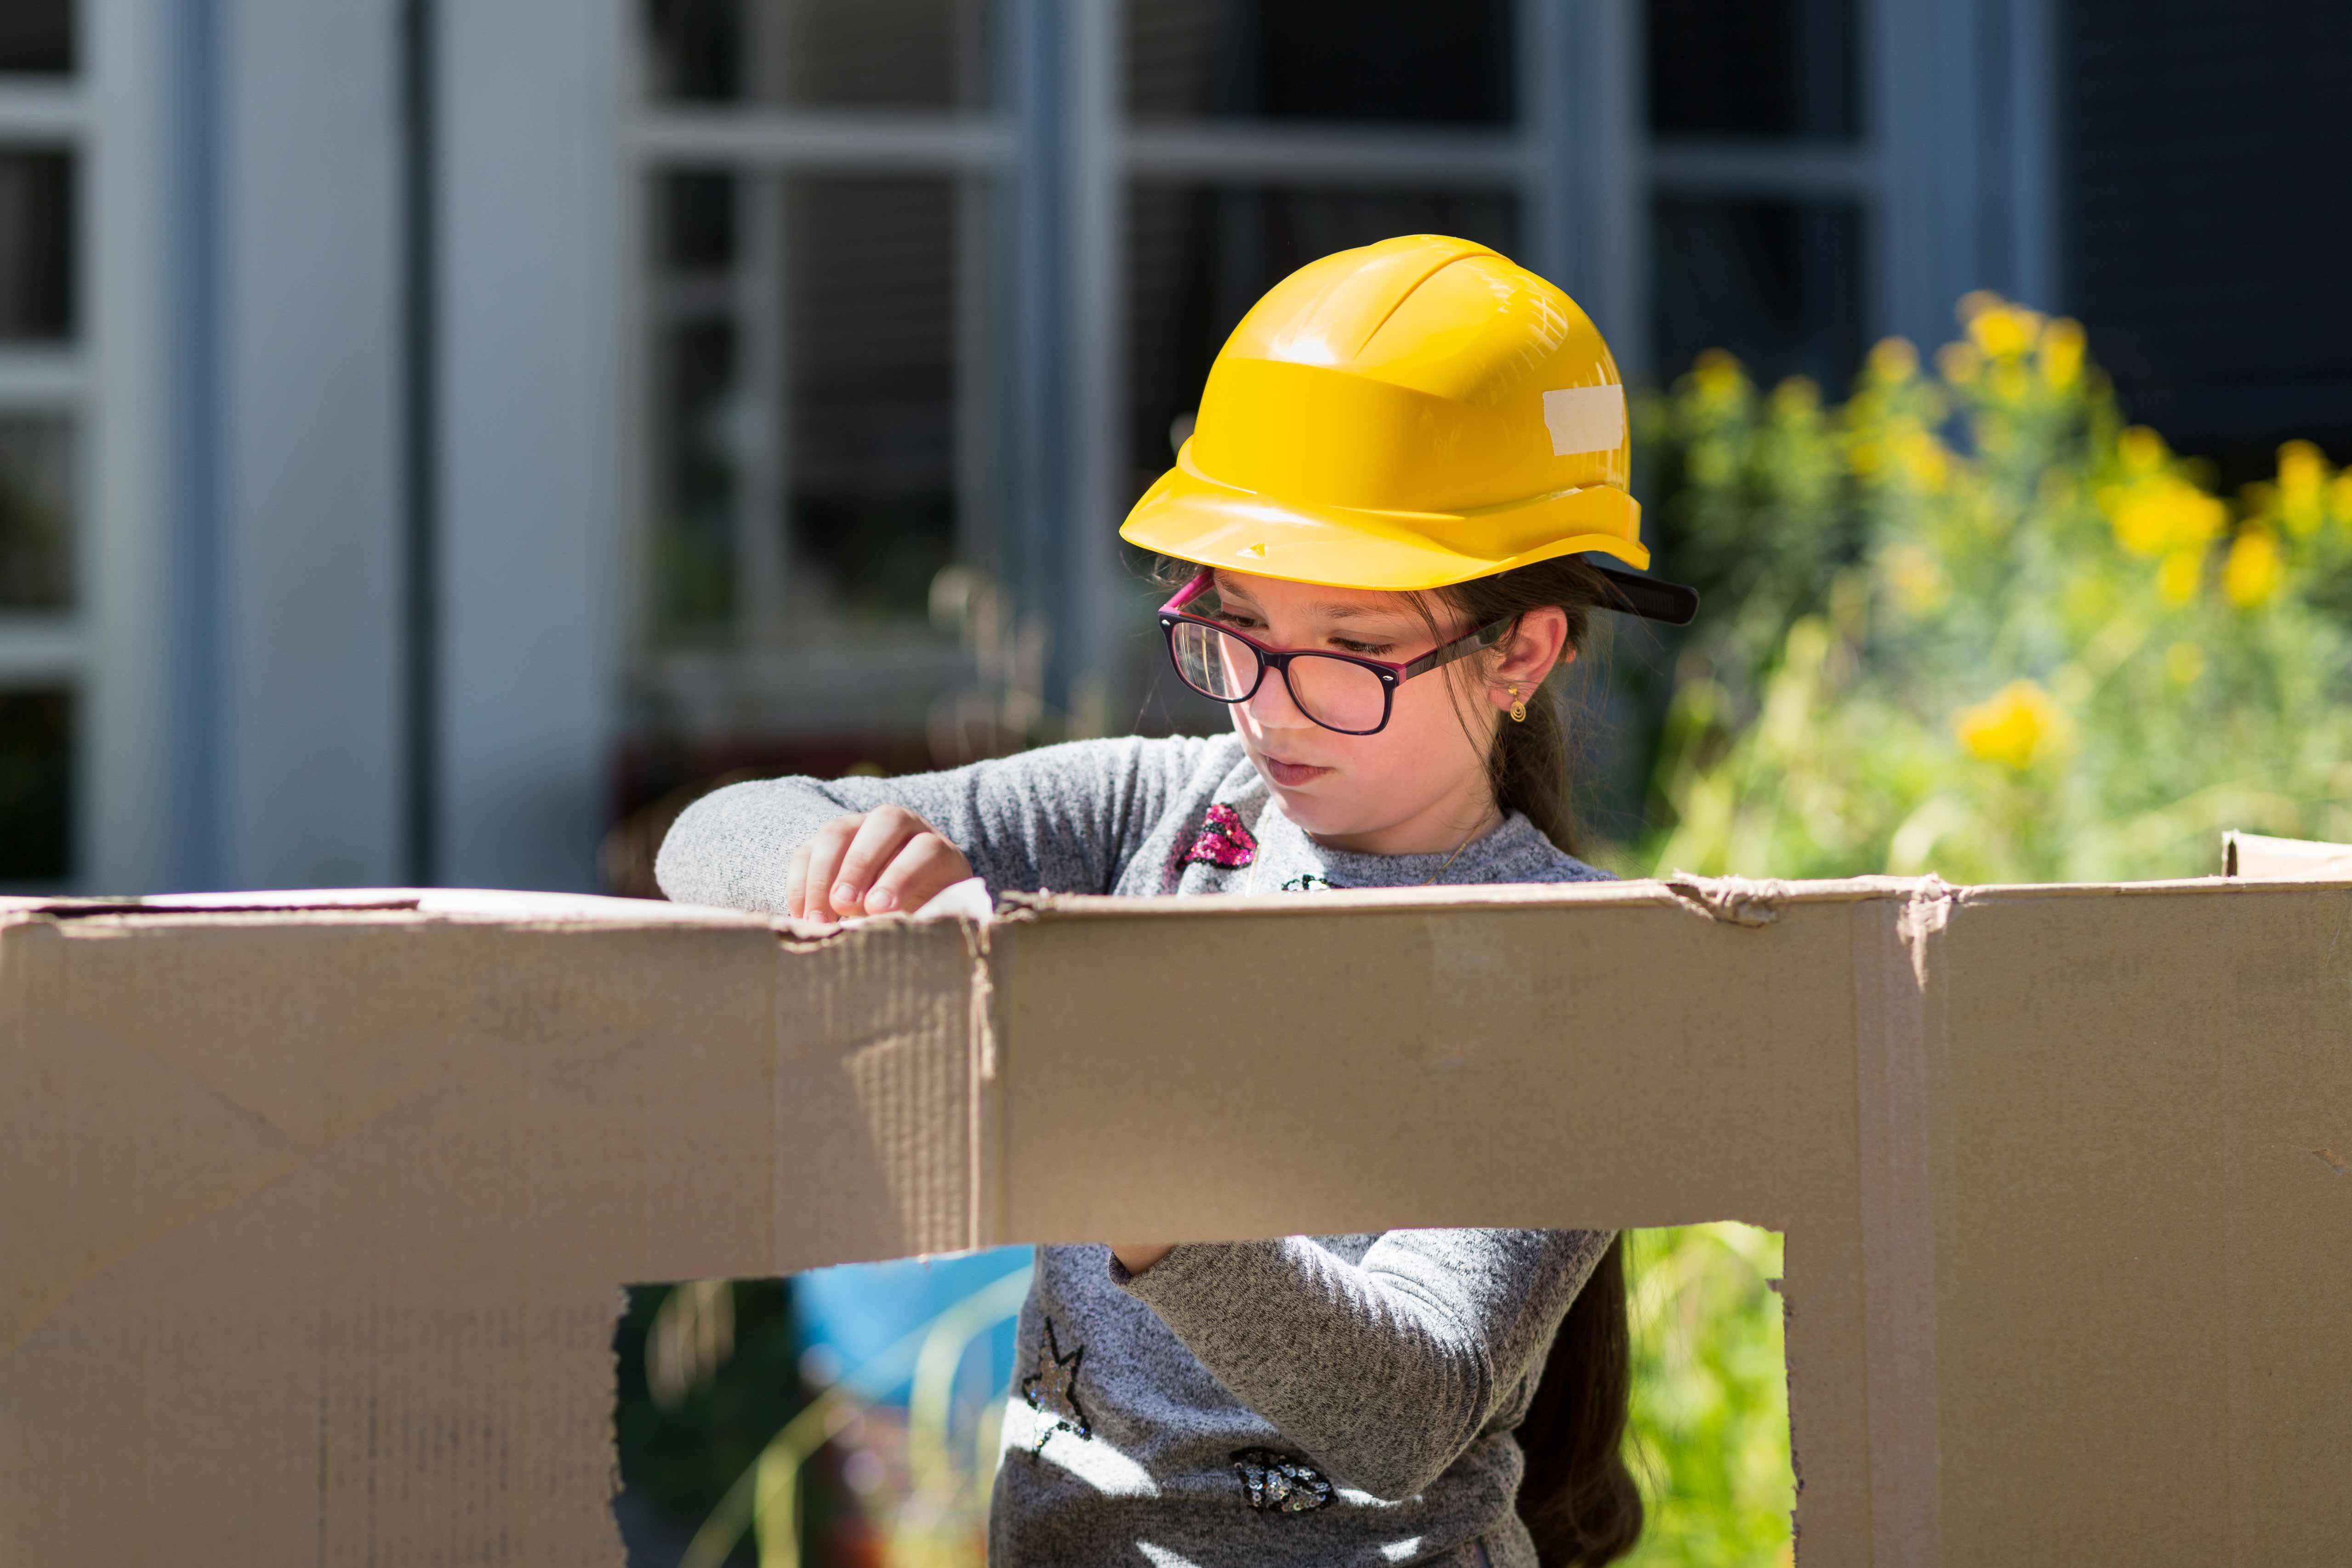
1193,518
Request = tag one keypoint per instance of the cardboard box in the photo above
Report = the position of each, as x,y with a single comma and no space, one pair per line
313,1213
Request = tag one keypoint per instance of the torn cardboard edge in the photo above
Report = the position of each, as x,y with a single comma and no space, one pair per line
320,1204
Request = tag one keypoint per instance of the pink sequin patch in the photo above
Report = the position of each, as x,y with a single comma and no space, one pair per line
1222,841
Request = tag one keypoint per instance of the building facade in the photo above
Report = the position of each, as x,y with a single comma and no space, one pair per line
431,427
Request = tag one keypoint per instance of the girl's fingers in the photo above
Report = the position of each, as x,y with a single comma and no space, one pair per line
925,866
797,883
826,850
879,837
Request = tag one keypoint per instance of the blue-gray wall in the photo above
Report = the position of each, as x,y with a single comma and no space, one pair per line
274,177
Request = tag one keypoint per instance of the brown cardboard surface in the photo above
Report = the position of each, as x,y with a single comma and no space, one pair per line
313,1211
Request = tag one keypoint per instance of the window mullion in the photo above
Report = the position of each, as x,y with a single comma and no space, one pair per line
762,419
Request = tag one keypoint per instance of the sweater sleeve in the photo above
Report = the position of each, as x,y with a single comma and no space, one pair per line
1061,818
1382,1370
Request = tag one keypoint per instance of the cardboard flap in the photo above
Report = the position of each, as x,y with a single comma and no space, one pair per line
2255,858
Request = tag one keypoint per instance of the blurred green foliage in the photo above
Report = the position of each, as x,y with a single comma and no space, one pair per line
1710,1396
708,1375
1969,622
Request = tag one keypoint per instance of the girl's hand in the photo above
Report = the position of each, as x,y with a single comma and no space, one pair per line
873,863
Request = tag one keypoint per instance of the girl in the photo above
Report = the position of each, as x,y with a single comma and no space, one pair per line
1398,459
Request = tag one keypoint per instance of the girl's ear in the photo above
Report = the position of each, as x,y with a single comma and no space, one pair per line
1535,648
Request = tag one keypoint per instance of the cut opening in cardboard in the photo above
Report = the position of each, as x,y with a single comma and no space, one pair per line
859,1413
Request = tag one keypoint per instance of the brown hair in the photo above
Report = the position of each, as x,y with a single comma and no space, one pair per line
1578,1498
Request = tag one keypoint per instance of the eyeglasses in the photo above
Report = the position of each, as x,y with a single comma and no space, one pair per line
1339,691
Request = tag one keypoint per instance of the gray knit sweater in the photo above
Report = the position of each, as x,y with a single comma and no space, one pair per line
1309,1400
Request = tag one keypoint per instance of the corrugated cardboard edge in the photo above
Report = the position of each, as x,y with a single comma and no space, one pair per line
1737,901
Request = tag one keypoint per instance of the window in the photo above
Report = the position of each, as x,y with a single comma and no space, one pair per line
898,259
1777,282
817,187
1761,186
45,416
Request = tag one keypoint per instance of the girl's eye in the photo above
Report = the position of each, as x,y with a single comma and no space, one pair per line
1363,649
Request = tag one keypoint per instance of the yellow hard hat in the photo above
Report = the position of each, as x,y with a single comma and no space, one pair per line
1408,414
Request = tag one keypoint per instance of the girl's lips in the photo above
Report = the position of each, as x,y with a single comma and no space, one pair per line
1290,775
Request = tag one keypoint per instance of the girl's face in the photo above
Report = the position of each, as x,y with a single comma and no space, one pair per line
1419,785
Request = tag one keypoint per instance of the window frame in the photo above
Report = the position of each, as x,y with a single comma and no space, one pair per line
766,672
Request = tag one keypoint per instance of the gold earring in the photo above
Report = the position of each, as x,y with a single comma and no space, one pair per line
1518,708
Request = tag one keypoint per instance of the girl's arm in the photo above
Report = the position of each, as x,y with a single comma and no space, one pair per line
1060,818
1384,1371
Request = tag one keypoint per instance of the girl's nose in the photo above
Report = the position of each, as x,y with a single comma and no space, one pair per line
1271,707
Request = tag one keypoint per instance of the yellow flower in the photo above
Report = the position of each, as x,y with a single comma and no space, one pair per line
1796,397
2004,332
2302,468
1924,458
2142,449
2016,726
1718,377
1894,359
2302,484
2009,380
1918,581
2184,662
2339,498
2254,569
2176,579
2062,352
1958,363
2166,514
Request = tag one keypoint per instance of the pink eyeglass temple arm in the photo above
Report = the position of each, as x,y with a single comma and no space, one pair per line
1191,591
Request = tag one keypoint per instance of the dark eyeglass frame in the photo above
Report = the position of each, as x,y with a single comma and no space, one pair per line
1391,674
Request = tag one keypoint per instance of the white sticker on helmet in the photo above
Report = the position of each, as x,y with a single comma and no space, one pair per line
1585,420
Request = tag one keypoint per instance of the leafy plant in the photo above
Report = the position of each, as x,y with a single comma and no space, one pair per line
1971,622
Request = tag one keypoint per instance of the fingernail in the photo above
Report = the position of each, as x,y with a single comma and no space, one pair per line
883,898
845,896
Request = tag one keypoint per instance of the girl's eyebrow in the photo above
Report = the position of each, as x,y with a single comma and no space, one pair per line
1329,609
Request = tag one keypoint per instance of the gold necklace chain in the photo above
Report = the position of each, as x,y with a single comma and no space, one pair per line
1450,859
